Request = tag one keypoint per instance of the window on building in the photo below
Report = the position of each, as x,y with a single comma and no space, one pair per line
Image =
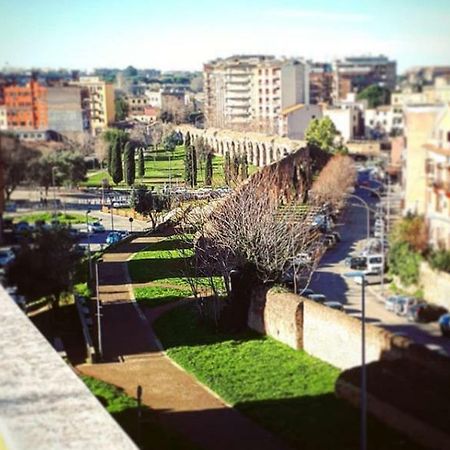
448,136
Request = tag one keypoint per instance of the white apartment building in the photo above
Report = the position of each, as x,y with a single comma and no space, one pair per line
154,98
249,93
383,121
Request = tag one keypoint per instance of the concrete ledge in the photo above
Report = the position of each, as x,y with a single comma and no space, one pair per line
43,404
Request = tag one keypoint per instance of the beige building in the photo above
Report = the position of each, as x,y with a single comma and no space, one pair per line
295,120
437,169
419,125
3,118
249,93
98,103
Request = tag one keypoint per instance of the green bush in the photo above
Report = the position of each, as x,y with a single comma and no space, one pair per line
404,263
440,260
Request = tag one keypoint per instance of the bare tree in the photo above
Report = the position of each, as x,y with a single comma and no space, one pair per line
334,181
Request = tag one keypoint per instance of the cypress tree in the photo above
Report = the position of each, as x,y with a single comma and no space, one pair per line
244,167
188,166
194,166
111,145
227,168
235,167
129,164
208,170
116,162
141,163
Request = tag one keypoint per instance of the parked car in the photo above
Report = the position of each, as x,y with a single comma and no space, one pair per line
95,227
318,298
403,304
329,240
335,305
113,237
358,263
306,292
425,312
23,227
7,256
390,302
337,236
444,324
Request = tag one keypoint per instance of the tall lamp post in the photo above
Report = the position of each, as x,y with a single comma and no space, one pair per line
99,324
89,243
54,168
363,391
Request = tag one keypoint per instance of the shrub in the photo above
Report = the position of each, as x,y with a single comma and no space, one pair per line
440,260
404,262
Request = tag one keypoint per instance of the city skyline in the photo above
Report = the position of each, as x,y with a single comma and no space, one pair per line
174,37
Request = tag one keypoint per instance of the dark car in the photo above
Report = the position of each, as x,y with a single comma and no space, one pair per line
425,312
444,324
358,263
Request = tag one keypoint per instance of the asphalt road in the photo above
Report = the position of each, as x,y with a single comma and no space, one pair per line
329,280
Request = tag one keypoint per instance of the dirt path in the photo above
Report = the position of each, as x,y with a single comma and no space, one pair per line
134,357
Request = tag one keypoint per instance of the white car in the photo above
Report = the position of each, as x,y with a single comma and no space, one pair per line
95,227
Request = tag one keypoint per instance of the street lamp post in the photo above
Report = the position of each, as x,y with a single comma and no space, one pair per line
111,211
363,391
99,324
54,189
89,243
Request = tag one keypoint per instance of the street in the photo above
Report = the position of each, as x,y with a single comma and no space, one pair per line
329,280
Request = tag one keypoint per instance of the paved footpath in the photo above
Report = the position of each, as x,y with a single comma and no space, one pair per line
134,357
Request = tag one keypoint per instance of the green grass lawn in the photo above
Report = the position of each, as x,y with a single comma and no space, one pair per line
286,391
124,410
159,168
46,216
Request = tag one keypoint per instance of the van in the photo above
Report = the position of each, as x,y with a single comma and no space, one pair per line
375,263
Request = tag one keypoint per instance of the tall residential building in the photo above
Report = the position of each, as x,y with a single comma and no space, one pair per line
353,74
250,92
437,168
320,83
98,103
26,106
65,112
419,125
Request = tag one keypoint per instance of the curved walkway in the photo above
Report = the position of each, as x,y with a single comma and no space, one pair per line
134,357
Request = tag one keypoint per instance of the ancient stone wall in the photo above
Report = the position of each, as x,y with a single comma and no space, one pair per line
278,315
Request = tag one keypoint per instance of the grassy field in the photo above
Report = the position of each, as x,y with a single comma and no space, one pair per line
286,391
49,216
124,410
159,168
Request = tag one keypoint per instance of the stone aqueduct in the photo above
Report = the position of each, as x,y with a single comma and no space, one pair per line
261,150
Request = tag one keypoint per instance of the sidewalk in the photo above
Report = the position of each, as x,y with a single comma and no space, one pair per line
134,357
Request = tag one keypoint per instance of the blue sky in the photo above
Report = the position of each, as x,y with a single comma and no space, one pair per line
180,34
